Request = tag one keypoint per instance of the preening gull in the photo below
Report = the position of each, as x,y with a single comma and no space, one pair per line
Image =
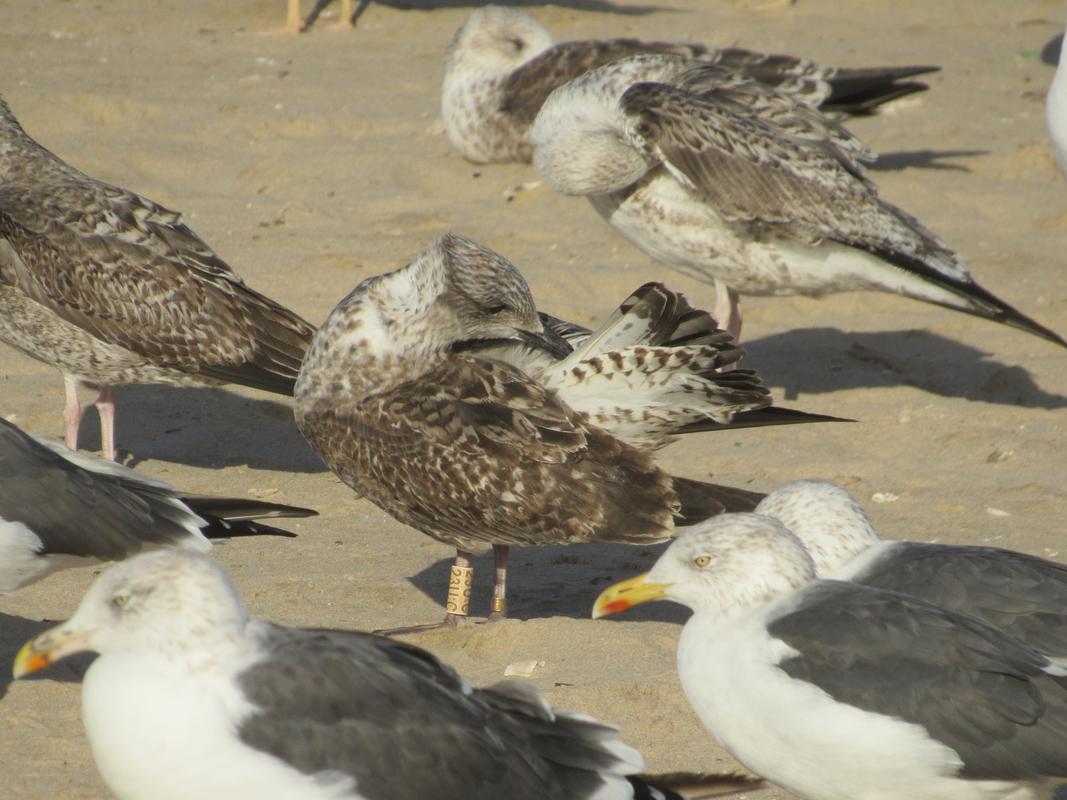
112,288
1023,595
502,64
470,450
837,691
60,508
1056,110
190,699
654,369
735,183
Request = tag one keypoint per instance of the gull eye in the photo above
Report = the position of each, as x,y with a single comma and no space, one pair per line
121,600
702,561
516,42
496,309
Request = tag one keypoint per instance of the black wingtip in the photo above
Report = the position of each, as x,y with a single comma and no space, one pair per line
219,528
761,418
241,509
861,91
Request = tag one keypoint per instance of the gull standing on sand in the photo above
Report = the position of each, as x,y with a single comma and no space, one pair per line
190,699
502,65
60,508
1056,110
838,691
1024,595
112,288
735,183
470,450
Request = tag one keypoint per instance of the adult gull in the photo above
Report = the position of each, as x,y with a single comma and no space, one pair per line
1022,594
190,699
112,288
502,65
837,691
60,508
736,183
471,450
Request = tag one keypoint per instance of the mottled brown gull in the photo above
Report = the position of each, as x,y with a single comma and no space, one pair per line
60,509
112,288
190,699
837,691
502,65
471,450
733,182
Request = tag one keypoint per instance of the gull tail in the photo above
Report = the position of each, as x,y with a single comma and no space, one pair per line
234,516
861,91
702,500
691,785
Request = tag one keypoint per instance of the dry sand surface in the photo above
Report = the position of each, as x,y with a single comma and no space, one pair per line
312,162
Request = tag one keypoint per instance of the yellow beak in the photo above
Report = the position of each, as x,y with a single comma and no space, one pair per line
49,647
621,596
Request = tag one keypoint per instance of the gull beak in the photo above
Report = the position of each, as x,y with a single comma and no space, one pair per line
621,596
549,341
49,647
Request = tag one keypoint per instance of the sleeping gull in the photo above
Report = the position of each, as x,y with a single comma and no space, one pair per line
656,368
1019,593
190,699
1056,110
502,64
470,450
835,690
60,508
733,182
112,288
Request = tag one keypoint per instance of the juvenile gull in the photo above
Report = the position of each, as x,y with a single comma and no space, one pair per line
112,288
190,699
471,450
1056,110
59,509
837,691
1023,595
736,183
656,368
502,65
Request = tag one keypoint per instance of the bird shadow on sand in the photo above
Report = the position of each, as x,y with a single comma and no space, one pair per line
821,360
554,581
204,427
922,159
15,632
1050,53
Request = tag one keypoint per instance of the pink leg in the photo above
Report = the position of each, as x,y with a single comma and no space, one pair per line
458,599
500,590
728,310
72,411
105,406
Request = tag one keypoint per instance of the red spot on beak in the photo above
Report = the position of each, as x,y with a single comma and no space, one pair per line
615,606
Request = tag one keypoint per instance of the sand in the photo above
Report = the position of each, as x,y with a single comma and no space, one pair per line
312,162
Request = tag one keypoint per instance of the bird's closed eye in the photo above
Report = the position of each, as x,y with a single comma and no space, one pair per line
121,600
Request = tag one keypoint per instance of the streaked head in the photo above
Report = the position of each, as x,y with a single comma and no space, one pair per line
170,601
827,519
726,565
494,40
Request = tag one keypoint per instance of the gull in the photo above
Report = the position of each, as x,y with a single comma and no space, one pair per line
1023,595
60,509
502,64
1056,110
112,288
471,450
837,691
738,184
191,699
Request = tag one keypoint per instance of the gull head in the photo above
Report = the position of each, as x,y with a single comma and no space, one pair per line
495,40
827,519
726,566
172,602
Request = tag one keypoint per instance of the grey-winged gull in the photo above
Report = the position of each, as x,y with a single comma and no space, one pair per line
472,451
60,508
837,691
656,368
1056,110
502,64
1019,593
112,288
735,183
190,699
